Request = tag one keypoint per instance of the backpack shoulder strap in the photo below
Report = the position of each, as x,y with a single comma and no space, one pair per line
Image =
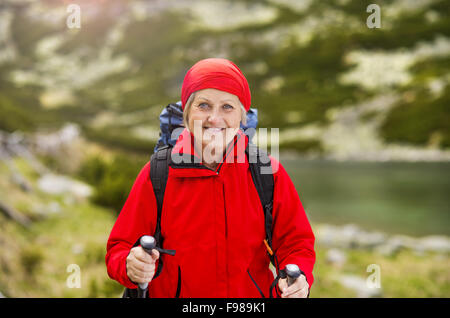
262,174
159,173
261,171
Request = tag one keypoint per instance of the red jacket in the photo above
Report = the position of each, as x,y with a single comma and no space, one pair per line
215,222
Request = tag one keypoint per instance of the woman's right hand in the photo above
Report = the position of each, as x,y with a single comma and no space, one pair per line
140,265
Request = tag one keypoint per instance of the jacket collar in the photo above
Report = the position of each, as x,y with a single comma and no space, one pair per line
186,162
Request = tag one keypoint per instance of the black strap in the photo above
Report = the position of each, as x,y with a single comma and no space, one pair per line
281,274
261,171
159,173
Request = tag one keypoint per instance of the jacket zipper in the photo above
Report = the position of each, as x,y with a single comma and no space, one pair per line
225,212
226,153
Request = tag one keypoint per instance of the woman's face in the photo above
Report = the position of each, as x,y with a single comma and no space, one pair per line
214,118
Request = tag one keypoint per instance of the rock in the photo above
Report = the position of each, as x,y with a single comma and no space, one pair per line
360,286
53,143
54,207
394,245
334,236
434,243
19,180
46,210
58,184
14,215
336,257
370,239
388,249
69,200
77,249
349,236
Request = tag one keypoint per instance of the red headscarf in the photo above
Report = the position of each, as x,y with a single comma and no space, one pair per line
217,73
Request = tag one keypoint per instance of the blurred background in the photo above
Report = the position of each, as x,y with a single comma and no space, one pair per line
363,114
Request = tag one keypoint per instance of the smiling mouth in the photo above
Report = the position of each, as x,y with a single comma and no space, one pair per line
213,130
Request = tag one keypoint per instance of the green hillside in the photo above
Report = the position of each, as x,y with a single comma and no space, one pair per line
81,106
304,61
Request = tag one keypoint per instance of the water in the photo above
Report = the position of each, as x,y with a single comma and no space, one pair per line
403,198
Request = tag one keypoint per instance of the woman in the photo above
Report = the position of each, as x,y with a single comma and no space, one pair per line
212,215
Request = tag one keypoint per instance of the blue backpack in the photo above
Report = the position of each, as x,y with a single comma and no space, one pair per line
171,119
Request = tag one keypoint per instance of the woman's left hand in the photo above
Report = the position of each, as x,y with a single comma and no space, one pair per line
299,289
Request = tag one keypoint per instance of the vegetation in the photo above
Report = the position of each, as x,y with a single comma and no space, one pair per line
424,126
161,47
112,180
128,61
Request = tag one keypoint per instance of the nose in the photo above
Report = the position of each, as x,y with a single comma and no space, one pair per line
214,117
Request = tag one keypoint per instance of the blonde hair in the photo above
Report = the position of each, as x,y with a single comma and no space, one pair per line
188,105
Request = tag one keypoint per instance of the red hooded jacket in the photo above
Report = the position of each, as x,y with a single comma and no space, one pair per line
215,222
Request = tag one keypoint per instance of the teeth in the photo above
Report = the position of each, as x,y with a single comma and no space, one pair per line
214,130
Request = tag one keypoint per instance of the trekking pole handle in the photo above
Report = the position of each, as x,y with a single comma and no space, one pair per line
148,243
292,272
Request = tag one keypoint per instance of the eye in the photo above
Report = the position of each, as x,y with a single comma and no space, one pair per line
227,106
203,105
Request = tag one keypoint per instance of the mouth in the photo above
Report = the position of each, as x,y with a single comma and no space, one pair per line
213,130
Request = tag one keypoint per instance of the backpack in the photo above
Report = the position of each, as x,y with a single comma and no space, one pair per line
171,118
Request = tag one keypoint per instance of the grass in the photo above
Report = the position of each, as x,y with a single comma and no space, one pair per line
38,259
404,275
35,261
39,268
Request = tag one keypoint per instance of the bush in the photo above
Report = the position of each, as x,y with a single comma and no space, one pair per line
112,180
416,121
31,259
13,117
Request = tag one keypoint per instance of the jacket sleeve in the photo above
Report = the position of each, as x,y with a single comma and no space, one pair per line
292,237
137,218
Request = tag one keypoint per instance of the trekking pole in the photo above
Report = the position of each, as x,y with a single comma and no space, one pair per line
292,272
148,243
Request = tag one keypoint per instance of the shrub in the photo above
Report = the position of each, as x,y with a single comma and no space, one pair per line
112,180
31,259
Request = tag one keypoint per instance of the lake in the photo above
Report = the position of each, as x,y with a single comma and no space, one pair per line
393,197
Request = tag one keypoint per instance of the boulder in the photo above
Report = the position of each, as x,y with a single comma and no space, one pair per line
59,184
336,257
434,243
360,286
349,236
19,180
14,215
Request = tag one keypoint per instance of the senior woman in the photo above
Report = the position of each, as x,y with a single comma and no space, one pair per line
212,214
